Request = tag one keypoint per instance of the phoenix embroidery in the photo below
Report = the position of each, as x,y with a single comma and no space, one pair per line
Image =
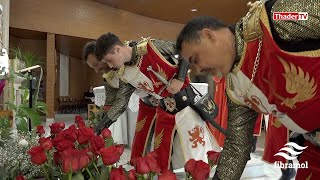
297,82
140,124
158,140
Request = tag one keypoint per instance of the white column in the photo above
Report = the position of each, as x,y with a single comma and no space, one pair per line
4,36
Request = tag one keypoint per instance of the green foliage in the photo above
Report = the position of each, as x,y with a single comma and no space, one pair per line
23,112
5,130
27,57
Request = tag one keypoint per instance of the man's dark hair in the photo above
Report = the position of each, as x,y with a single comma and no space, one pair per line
190,32
105,44
88,49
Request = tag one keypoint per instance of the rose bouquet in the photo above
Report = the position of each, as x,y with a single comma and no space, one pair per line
75,152
199,170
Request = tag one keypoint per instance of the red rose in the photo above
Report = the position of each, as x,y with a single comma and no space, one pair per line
45,143
142,166
152,154
89,153
120,149
132,175
57,139
20,177
37,155
213,157
55,128
153,165
198,170
201,171
40,130
133,162
56,158
117,174
167,175
84,135
65,144
110,155
96,143
190,166
62,125
79,121
71,133
106,133
73,160
84,158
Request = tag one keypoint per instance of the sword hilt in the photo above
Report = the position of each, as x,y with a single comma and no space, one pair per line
149,68
166,85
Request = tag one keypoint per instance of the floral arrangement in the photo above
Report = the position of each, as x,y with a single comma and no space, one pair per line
77,152
14,159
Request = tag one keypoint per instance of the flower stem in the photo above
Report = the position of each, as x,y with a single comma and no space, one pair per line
46,172
89,173
95,166
151,176
69,176
109,168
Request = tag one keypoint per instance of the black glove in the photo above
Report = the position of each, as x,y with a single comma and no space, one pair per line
105,122
215,177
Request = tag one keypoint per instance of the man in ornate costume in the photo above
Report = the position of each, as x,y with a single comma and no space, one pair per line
272,67
152,68
117,97
220,99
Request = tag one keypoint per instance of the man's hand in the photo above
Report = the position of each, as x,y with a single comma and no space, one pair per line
175,86
105,122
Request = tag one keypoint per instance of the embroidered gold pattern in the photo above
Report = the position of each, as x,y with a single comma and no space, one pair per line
251,22
197,136
209,106
140,124
158,140
276,123
142,46
309,177
299,82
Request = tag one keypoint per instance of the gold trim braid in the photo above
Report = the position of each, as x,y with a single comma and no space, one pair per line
251,22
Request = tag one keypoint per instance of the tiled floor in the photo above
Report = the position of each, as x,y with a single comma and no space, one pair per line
256,169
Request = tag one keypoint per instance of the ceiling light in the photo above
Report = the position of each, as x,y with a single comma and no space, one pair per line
194,10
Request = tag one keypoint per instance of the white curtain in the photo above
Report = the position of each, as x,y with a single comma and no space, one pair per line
64,75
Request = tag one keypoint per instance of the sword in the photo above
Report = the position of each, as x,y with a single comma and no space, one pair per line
149,68
162,79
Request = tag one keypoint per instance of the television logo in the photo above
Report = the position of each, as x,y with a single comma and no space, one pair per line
293,155
290,16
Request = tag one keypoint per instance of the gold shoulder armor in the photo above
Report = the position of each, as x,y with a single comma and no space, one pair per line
109,75
110,79
251,22
142,46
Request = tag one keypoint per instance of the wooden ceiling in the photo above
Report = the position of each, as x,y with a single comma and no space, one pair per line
27,34
179,11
